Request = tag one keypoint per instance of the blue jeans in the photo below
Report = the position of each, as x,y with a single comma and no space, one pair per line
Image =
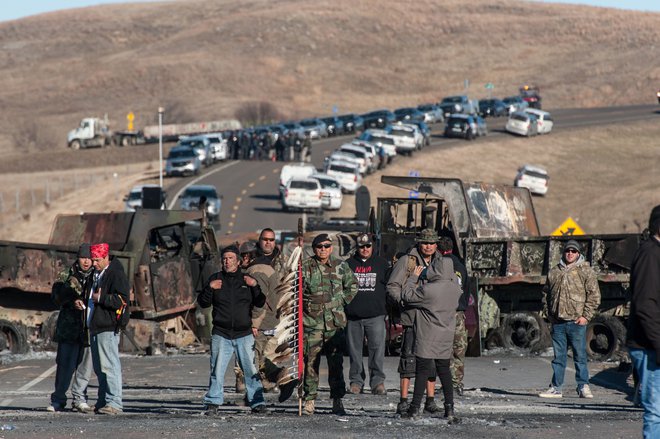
571,334
649,384
221,351
73,362
105,358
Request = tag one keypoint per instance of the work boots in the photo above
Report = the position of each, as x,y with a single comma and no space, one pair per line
431,407
449,414
308,408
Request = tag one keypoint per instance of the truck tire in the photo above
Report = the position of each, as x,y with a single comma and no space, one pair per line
75,144
606,335
124,141
525,330
13,337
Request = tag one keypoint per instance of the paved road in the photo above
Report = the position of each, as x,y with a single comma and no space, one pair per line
162,397
250,188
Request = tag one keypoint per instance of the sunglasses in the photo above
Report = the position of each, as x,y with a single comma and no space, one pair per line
428,243
320,246
268,239
571,250
365,246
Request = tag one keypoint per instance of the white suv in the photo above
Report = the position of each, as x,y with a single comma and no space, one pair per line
302,193
533,178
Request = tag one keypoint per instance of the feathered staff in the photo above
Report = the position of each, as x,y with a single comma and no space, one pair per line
289,351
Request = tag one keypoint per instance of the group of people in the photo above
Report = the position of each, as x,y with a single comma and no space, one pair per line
92,295
344,302
287,146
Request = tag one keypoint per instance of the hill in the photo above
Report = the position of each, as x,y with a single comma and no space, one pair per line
205,59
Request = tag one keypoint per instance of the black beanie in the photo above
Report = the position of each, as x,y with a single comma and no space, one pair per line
231,248
84,251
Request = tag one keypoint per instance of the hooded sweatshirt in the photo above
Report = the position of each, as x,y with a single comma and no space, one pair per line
571,291
371,275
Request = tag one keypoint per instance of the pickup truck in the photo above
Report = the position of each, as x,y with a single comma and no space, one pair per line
495,231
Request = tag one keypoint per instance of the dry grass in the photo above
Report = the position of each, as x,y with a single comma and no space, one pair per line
304,56
605,178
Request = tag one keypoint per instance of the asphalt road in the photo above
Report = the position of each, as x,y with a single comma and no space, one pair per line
162,398
250,188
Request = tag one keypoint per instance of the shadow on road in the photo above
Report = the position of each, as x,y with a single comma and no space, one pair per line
273,197
505,392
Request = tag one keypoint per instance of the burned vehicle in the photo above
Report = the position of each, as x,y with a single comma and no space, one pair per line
495,230
165,254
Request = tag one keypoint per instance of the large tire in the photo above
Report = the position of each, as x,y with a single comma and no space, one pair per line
525,330
13,337
125,141
606,335
75,144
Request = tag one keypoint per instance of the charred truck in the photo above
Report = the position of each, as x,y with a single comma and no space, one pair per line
166,255
495,230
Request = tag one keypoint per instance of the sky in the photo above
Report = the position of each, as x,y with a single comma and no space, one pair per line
12,9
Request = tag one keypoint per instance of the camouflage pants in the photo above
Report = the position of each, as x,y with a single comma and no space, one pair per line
457,365
330,343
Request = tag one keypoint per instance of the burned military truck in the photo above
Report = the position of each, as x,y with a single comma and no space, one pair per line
495,230
165,254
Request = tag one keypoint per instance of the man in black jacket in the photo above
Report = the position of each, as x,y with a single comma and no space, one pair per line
644,325
232,295
366,315
110,293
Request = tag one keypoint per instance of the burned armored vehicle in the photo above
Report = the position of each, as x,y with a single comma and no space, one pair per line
166,255
495,230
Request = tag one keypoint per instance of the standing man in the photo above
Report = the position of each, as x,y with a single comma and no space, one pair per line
328,286
366,316
232,295
110,294
268,253
570,299
423,254
644,326
70,293
457,366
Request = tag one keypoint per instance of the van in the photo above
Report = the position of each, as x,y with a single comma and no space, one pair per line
297,170
544,120
522,123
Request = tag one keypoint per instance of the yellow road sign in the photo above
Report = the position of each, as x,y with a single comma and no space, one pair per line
568,228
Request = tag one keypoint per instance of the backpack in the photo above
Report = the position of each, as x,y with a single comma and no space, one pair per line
123,315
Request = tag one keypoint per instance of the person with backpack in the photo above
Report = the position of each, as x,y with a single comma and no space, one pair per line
423,254
108,313
570,299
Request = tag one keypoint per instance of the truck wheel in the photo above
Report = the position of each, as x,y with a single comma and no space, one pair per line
605,336
525,330
13,337
75,144
125,141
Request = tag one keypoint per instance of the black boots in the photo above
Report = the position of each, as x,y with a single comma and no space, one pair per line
449,414
338,407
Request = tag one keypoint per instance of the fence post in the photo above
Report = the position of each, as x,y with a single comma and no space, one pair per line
47,192
18,200
2,203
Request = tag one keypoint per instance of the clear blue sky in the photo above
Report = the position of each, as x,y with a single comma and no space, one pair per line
12,9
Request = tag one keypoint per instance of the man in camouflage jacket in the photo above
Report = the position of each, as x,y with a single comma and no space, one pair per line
70,293
570,299
328,285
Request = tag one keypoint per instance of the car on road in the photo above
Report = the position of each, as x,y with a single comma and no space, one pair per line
190,200
294,128
331,194
315,127
219,148
182,160
465,126
543,119
378,119
369,159
302,194
381,139
346,173
335,125
533,178
514,103
133,199
492,108
407,137
409,113
432,113
202,147
522,123
294,170
457,104
423,129
352,122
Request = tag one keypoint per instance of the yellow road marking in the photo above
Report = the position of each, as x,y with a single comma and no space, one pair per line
262,178
251,184
239,199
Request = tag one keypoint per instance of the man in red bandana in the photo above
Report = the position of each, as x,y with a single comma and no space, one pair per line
110,292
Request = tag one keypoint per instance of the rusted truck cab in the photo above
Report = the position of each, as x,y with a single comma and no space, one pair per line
495,230
166,255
